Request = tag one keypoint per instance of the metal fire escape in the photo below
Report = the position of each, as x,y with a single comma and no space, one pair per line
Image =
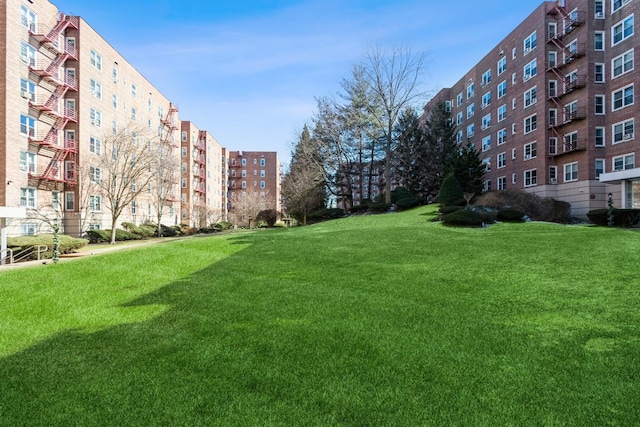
567,83
54,77
200,162
170,125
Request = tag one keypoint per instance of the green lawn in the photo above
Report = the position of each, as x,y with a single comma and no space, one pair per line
385,320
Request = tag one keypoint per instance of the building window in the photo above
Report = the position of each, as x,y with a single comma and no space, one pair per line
502,65
28,89
553,145
571,172
95,117
95,59
487,164
553,117
486,121
622,98
459,99
599,137
502,136
470,90
262,184
502,160
617,4
486,186
447,108
599,104
244,184
27,161
184,151
470,111
134,91
244,173
623,131
184,183
28,229
28,197
95,145
622,64
244,162
530,43
471,130
486,100
502,183
530,178
134,207
598,39
459,118
552,59
69,201
55,200
599,9
486,143
622,30
27,53
95,203
95,174
531,97
625,162
502,89
486,77
502,113
96,89
530,70
599,164
599,73
28,18
27,125
530,124
262,173
530,150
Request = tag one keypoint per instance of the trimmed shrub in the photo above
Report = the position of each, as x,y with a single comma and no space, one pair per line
463,217
407,203
222,225
68,244
143,231
451,193
122,235
325,214
99,236
399,193
536,207
486,213
379,207
510,215
448,209
363,207
621,217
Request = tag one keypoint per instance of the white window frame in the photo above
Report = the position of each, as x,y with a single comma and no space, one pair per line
501,160
486,77
623,131
28,197
530,70
486,121
96,89
530,177
502,89
486,99
530,43
486,143
95,59
598,72
530,97
623,98
28,161
27,125
570,172
502,112
501,136
599,40
501,65
530,124
599,104
621,25
530,150
95,203
600,170
600,135
626,61
95,145
625,163
618,4
471,110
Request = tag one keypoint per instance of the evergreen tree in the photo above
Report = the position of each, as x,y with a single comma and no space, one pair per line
469,170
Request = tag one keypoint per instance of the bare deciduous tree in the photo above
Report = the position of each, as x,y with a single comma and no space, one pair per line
246,205
393,78
164,181
123,171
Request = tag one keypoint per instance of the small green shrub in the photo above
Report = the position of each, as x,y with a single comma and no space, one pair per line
451,193
448,209
222,225
123,235
487,213
99,236
363,207
325,214
407,203
399,193
379,207
510,215
621,217
463,217
143,231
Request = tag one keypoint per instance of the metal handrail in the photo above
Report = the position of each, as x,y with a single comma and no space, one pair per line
39,249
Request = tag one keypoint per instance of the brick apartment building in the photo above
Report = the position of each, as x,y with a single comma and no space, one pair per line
552,106
253,172
64,92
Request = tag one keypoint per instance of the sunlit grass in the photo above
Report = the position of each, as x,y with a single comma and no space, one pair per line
374,320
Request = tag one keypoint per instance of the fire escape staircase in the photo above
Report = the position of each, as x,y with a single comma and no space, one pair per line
170,123
200,162
53,106
567,83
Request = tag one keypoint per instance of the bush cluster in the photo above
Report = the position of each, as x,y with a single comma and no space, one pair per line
143,231
325,214
68,244
621,217
536,207
510,215
463,217
104,236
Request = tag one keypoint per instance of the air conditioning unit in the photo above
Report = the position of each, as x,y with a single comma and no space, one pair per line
553,180
25,94
527,156
526,77
628,136
534,100
484,105
599,14
483,127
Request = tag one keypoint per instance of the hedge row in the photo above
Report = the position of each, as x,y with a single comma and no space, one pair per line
68,244
621,217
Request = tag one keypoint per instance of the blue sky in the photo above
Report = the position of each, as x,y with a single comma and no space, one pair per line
249,71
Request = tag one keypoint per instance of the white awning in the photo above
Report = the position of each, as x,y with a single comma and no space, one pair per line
617,176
